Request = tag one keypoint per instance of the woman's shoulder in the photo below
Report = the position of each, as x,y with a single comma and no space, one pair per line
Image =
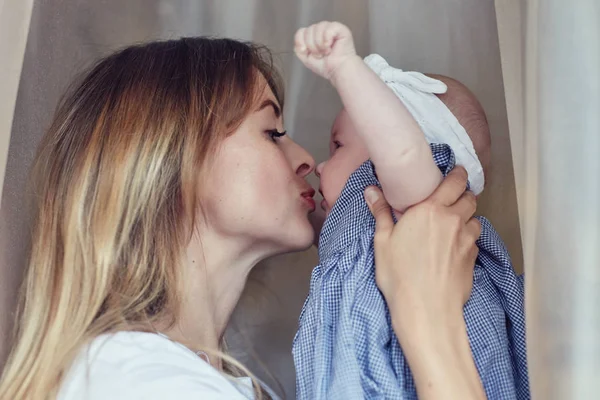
139,365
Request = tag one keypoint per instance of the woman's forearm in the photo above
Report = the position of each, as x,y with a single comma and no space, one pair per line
424,269
440,359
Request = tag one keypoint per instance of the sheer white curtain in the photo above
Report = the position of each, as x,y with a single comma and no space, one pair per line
14,25
551,64
457,38
15,16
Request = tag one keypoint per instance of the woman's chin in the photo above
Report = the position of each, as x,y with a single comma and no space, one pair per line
308,241
305,237
298,236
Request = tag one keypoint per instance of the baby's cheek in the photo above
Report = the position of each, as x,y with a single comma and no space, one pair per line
333,180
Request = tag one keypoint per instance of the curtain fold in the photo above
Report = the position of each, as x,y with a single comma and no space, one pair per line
551,62
563,240
15,16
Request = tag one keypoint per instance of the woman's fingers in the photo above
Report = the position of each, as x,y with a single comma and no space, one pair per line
381,211
474,228
465,206
451,188
472,232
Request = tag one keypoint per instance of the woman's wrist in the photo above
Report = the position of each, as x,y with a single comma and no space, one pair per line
414,321
439,356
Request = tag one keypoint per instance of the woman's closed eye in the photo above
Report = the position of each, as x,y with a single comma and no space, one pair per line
274,134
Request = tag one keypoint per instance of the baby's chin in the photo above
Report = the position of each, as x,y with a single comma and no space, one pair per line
325,206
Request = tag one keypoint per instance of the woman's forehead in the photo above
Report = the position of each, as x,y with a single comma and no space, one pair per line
264,93
267,99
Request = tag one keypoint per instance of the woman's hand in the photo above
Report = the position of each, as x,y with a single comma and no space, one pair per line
424,268
425,263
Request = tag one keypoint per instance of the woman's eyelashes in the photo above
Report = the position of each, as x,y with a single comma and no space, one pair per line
274,134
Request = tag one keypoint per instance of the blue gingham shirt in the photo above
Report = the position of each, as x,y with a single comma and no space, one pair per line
345,347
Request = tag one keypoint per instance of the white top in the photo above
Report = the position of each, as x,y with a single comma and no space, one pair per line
137,365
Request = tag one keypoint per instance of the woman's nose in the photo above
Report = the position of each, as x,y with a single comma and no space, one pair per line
305,169
301,160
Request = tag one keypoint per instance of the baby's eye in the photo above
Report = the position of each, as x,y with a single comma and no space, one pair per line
333,146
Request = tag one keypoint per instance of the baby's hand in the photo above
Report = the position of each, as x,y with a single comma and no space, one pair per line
324,47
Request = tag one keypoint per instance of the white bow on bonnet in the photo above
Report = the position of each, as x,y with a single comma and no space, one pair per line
418,93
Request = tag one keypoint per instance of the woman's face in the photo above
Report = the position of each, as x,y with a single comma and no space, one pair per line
255,191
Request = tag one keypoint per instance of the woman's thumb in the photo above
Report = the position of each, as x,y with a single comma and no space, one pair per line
379,208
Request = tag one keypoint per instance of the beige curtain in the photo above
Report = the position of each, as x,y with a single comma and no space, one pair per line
14,25
551,64
15,16
458,38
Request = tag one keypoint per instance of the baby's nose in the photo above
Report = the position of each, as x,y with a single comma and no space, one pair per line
319,169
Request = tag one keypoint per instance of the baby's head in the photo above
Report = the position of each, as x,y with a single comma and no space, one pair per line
347,150
470,114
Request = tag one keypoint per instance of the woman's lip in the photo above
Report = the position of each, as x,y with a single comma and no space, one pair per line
309,193
310,202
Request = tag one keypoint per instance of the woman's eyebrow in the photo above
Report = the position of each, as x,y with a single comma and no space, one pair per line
267,103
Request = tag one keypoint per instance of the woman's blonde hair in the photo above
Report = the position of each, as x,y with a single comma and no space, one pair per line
115,182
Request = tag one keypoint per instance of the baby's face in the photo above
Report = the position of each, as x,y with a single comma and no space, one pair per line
346,153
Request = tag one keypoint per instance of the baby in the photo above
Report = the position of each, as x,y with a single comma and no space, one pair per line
411,130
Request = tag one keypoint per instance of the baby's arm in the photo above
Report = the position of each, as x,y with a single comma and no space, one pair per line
394,140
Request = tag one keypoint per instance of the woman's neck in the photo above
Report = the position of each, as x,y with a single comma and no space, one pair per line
212,286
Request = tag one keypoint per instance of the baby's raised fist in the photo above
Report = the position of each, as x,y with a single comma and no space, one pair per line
324,47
